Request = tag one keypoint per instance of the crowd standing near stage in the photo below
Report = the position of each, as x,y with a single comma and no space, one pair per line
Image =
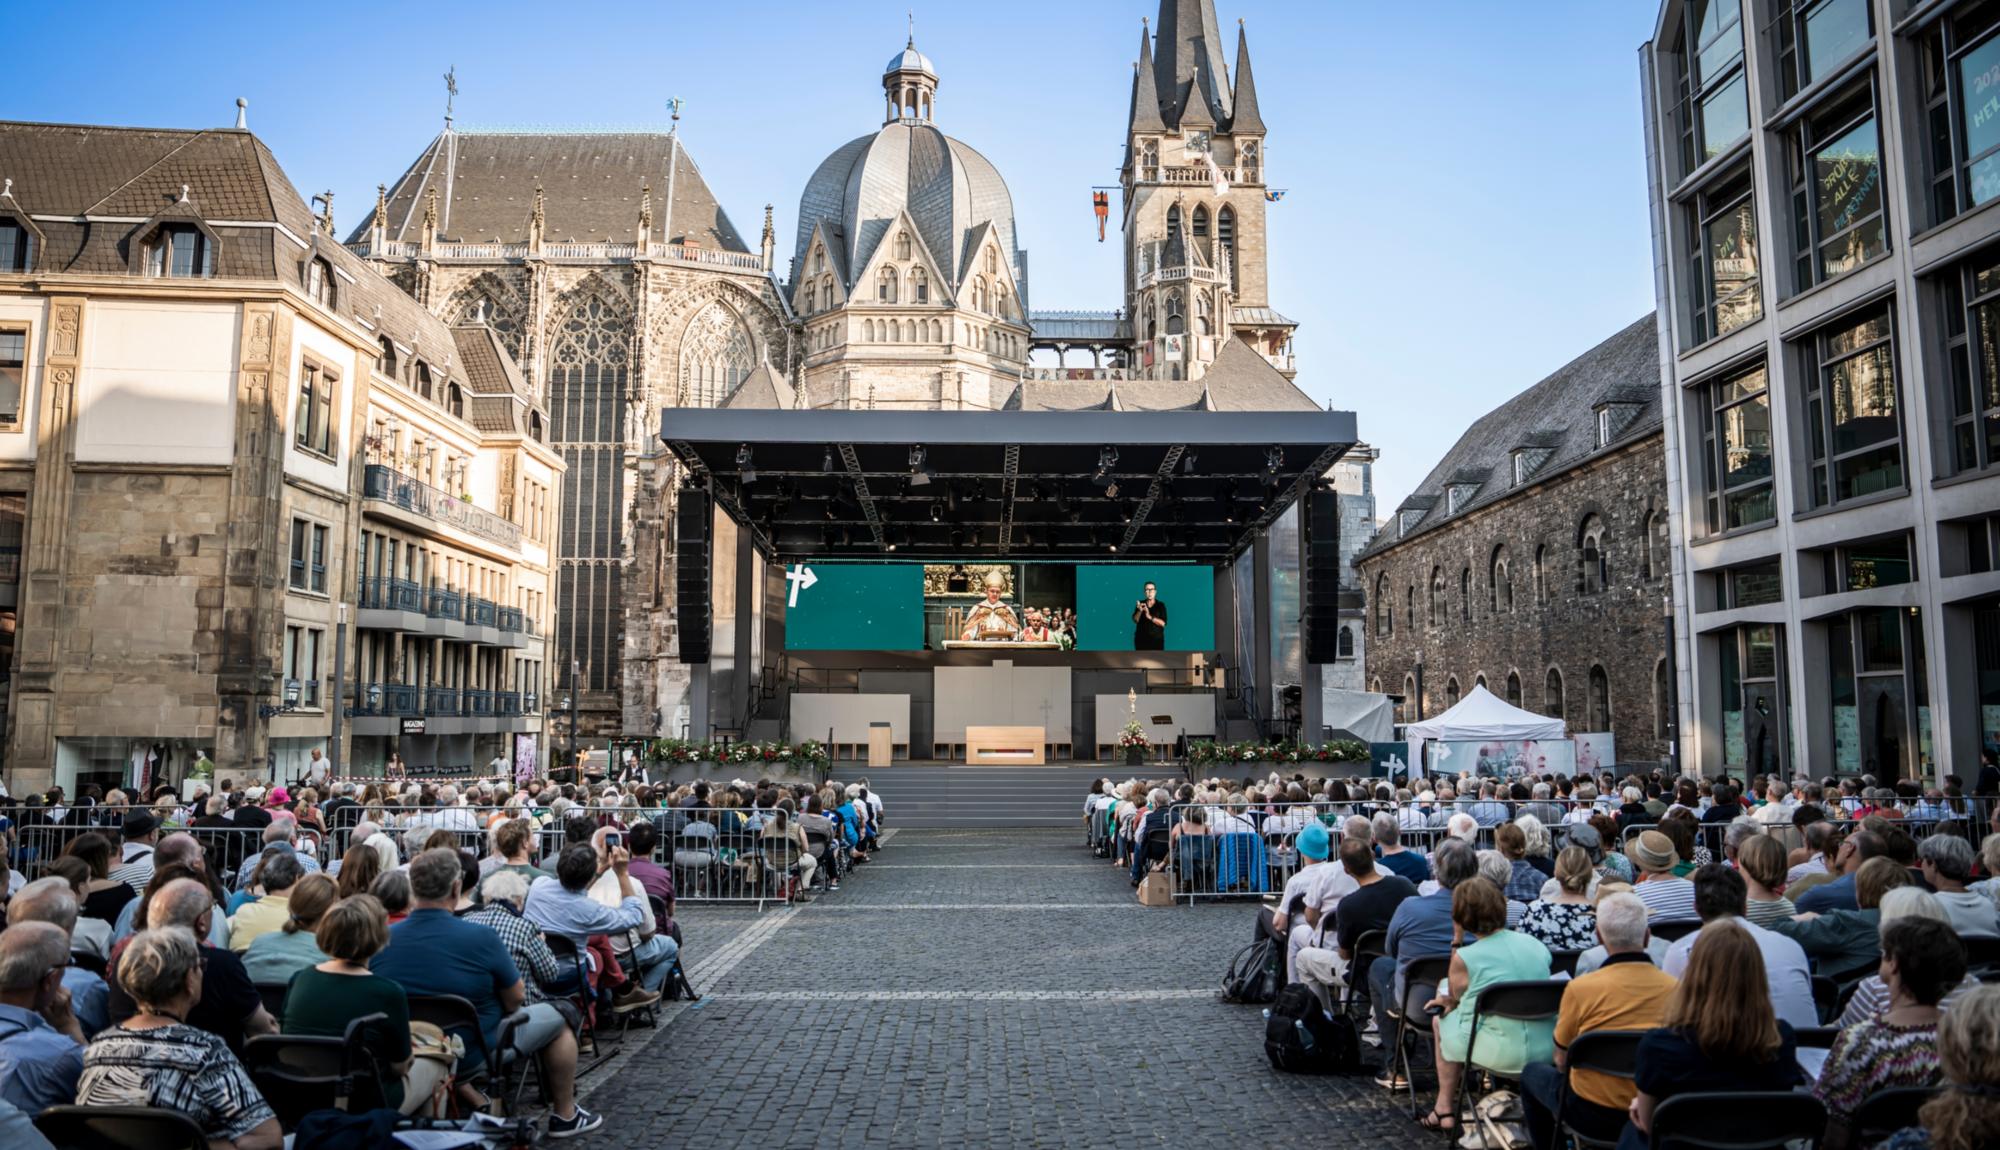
158,951
1832,939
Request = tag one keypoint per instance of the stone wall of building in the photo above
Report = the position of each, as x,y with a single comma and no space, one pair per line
1554,623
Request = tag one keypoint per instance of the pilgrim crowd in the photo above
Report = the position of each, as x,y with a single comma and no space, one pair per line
462,940
1834,938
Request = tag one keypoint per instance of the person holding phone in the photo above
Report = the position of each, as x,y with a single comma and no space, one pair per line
1149,621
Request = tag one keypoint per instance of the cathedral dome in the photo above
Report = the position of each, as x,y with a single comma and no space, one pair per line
949,190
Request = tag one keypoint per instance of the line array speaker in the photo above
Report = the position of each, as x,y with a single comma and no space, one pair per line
1322,576
693,521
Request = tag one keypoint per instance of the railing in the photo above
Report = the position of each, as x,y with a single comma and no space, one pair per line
511,619
444,603
383,593
478,703
443,702
1196,174
678,253
379,481
1065,374
390,699
507,703
1180,272
481,612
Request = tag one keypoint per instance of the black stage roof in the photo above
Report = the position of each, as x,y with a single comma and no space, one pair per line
1094,486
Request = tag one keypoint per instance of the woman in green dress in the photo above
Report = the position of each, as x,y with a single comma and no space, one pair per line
1479,910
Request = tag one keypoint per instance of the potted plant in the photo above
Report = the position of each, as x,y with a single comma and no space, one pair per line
1135,741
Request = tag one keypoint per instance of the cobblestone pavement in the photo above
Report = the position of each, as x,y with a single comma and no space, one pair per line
974,989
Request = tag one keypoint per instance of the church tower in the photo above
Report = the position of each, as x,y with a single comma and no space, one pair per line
1194,200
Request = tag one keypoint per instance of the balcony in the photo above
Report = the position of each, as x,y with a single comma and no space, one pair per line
382,709
482,612
444,603
443,702
385,484
390,605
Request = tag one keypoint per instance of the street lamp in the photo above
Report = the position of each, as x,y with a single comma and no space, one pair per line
573,693
291,701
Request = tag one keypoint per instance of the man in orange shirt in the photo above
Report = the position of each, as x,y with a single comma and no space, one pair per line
1627,993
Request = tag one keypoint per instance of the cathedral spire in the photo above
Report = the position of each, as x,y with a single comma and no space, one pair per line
1246,118
1188,64
1145,101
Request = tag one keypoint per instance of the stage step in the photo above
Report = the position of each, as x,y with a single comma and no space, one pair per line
962,796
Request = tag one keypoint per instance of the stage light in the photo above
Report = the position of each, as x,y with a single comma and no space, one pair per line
920,472
1187,462
1274,458
1107,458
745,464
826,461
1111,492
937,512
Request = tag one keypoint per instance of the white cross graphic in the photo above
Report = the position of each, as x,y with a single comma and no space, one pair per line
800,577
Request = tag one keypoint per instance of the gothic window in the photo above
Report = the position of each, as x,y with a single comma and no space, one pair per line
812,298
1344,643
1411,704
1656,559
1500,583
1465,594
1600,700
588,353
1552,695
1513,688
1593,570
1410,606
885,286
1438,608
902,245
1451,692
1204,307
1479,680
992,262
819,260
481,304
1252,162
1225,239
1173,222
1199,224
1152,320
1385,611
1149,160
1541,576
1176,322
920,286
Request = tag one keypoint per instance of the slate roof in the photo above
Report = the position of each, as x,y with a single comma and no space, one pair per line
1554,415
109,176
591,184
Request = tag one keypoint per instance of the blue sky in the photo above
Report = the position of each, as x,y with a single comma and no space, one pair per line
1466,206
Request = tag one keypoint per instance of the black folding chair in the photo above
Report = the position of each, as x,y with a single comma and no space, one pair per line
456,1015
298,1074
94,963
1753,1120
582,996
1564,961
1523,1001
1613,1052
1674,931
1826,998
1815,1037
119,1128
1421,972
1887,1111
1981,952
273,995
1372,944
1194,863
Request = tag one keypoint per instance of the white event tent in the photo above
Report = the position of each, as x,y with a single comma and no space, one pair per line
1482,716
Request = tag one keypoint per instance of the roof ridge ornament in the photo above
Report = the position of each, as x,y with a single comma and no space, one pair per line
450,93
242,114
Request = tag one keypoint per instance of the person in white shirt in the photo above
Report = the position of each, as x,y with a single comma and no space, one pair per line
1719,893
1820,837
1947,864
450,816
1297,919
1778,805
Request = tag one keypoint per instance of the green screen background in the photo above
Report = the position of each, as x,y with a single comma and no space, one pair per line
858,607
1105,595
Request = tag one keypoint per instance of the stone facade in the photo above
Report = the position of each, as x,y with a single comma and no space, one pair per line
1549,586
1353,479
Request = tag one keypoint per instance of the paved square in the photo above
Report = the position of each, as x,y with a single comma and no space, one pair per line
974,988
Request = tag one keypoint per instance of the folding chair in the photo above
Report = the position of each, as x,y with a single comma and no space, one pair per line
1421,972
1887,1111
1523,1001
1613,1052
1674,931
119,1128
298,1074
1195,863
1564,961
1826,997
1372,944
456,1015
583,997
1755,1120
273,995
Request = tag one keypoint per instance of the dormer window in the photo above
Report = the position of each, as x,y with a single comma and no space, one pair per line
423,379
1527,461
319,282
1408,519
180,251
1458,495
1612,419
454,400
14,240
385,360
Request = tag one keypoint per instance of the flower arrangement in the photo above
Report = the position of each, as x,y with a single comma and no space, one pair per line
1339,751
811,753
1133,734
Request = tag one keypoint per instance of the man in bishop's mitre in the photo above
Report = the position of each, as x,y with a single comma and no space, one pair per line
990,620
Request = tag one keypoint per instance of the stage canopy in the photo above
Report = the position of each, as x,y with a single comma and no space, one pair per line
1482,715
1188,486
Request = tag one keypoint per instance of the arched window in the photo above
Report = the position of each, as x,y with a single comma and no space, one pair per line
1344,643
1541,576
1593,570
385,360
819,260
1479,680
319,281
937,331
902,245
1599,715
1656,559
1410,607
812,297
1003,305
868,331
1451,692
979,293
1173,222
1176,320
1149,160
1204,306
1661,699
535,426
920,286
1500,583
1199,223
1513,688
1552,695
1437,596
826,289
1465,594
1225,239
1412,704
1385,610
589,358
454,400
885,285
1152,320
992,261
716,356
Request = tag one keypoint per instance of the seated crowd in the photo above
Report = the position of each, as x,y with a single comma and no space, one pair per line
1834,937
147,948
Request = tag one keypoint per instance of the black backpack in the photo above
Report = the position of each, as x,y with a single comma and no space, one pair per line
1300,1039
1256,973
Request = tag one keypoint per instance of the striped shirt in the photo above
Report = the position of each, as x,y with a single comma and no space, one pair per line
175,1067
1667,899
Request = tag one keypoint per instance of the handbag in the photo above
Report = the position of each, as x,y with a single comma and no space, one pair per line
1499,1122
428,1040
